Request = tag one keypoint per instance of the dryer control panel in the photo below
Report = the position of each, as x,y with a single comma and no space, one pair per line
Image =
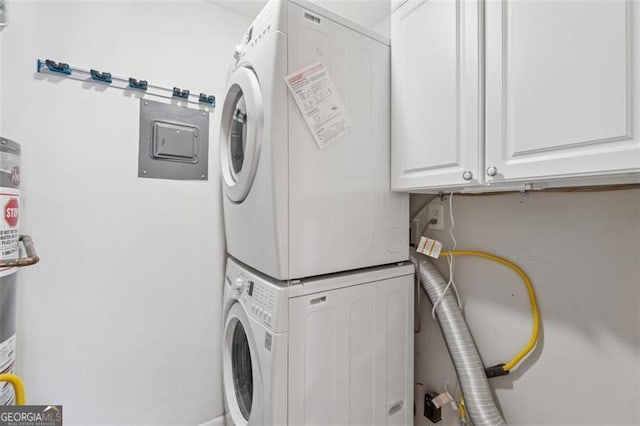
267,17
271,18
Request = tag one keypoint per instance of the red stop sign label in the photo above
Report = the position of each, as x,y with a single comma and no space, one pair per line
11,212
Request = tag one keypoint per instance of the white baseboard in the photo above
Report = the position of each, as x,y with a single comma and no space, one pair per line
218,421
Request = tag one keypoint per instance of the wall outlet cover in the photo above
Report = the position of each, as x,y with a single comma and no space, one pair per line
435,217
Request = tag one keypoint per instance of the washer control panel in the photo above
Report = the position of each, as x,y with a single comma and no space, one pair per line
262,300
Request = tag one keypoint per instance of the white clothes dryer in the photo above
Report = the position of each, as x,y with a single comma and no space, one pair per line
291,209
333,350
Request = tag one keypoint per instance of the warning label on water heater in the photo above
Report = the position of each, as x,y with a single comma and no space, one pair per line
320,104
10,223
7,361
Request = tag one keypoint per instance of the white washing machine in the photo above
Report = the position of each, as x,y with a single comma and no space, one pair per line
333,350
291,209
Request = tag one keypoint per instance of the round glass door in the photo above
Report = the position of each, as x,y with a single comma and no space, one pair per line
242,384
242,370
241,133
238,135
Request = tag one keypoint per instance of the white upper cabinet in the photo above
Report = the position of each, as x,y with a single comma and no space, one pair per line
435,94
554,91
559,95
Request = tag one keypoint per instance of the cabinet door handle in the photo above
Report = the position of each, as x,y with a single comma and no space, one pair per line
395,406
492,171
467,175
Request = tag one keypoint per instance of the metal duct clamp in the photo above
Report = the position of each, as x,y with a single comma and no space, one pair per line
31,259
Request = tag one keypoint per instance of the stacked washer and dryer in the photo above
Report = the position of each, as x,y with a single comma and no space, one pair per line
318,294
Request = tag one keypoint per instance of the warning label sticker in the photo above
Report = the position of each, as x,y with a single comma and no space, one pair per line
7,361
429,247
319,102
10,224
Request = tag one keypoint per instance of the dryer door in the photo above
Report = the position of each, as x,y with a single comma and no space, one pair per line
241,371
241,133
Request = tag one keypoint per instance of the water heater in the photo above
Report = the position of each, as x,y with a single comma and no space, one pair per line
3,14
10,259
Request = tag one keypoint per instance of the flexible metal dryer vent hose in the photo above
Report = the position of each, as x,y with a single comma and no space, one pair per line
462,348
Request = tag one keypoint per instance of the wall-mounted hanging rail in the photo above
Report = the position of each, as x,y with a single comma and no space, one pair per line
62,69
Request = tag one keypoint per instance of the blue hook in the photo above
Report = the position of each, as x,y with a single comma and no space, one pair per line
207,99
58,67
138,84
178,93
104,77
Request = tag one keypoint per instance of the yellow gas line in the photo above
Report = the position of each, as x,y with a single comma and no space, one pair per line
17,384
532,299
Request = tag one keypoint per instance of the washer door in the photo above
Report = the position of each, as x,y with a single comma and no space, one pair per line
241,133
241,370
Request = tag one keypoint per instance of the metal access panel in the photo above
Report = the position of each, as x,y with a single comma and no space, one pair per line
174,142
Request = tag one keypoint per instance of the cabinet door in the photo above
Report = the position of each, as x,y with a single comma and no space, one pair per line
435,82
559,95
351,355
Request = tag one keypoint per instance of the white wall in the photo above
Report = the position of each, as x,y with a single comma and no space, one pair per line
120,322
384,26
582,252
367,13
1,92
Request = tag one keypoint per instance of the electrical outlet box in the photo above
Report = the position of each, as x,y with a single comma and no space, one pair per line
435,217
174,142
